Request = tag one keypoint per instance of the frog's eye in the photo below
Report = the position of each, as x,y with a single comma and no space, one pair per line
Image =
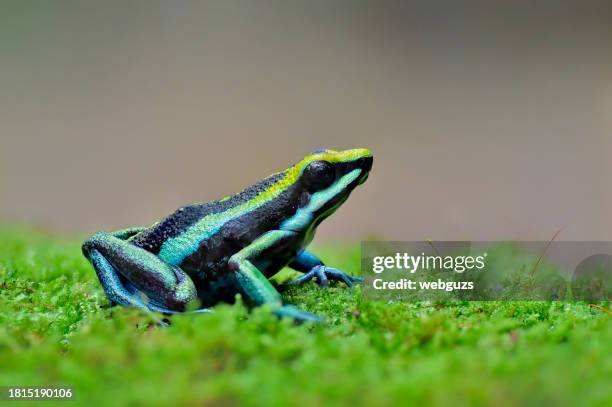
319,175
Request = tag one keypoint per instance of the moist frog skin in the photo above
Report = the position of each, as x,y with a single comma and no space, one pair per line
214,250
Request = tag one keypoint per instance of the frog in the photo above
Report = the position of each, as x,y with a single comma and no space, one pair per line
210,252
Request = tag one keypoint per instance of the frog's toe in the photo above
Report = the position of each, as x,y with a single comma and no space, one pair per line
323,274
288,311
339,275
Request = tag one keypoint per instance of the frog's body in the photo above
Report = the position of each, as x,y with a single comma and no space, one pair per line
214,250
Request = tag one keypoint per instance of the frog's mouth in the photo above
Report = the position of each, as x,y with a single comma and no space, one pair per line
365,165
325,202
340,189
364,178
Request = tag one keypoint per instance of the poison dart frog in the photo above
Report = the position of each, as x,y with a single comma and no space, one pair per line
214,250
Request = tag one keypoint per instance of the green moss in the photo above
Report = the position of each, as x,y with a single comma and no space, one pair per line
55,329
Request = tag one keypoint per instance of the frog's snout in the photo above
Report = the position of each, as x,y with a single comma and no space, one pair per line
365,165
361,158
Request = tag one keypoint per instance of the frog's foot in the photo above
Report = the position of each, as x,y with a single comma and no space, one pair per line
323,274
288,311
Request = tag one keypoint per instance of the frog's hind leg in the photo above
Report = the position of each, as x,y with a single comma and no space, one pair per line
134,277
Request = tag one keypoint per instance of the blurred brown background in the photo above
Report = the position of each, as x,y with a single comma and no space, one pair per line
487,121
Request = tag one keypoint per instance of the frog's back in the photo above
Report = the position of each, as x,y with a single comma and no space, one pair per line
177,223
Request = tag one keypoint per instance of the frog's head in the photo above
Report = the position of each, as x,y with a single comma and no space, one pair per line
326,179
327,168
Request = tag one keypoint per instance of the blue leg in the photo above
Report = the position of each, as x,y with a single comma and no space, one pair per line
313,267
134,277
112,285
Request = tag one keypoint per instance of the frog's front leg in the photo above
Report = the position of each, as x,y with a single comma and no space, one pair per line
254,285
313,267
127,271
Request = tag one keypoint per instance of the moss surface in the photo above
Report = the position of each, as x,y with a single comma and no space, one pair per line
56,329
